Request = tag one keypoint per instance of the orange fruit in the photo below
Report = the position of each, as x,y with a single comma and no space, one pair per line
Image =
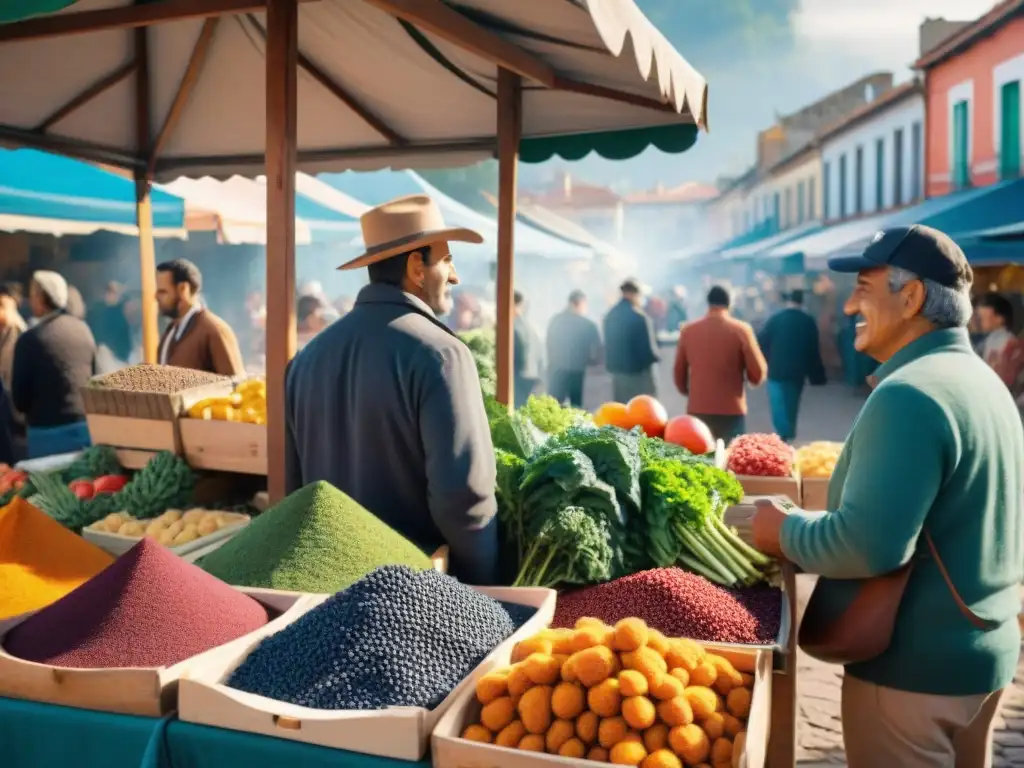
612,415
647,413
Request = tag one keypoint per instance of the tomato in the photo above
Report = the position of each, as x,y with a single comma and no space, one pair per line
691,433
13,479
109,483
613,415
82,489
647,413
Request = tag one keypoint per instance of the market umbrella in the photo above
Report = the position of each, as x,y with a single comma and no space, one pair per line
219,87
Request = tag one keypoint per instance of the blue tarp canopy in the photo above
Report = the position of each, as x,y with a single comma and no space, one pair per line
968,211
40,192
762,246
378,187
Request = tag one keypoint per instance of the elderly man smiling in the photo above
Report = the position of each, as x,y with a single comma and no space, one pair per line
937,452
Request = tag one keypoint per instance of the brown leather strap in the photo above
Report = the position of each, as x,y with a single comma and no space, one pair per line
975,619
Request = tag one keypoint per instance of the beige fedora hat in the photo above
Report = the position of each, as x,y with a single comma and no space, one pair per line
402,225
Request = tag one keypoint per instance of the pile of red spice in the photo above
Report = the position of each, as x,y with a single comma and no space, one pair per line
679,604
761,455
148,609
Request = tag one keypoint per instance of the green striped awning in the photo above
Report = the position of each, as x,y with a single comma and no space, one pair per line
17,10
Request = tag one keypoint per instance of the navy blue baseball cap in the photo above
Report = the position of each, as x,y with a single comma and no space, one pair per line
925,251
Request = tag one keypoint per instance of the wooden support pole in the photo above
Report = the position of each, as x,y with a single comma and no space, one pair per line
282,61
143,200
510,126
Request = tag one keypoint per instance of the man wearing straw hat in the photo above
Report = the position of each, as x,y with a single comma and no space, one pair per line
385,403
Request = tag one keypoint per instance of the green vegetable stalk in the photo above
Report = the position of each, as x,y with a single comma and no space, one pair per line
570,547
683,506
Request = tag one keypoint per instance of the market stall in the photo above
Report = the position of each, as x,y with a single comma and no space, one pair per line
639,545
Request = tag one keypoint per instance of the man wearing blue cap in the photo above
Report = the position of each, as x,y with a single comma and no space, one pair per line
930,478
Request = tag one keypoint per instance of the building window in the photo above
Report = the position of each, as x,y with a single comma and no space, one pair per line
1010,131
812,199
842,186
897,167
880,175
826,188
960,171
858,190
789,207
915,161
776,212
801,194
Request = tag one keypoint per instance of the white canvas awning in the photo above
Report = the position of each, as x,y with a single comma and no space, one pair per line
399,83
236,209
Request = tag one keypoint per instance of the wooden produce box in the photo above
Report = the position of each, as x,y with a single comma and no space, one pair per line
148,692
451,751
117,545
158,406
402,733
225,446
814,493
772,486
143,436
738,518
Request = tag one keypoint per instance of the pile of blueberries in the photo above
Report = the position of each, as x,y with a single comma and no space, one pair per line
396,638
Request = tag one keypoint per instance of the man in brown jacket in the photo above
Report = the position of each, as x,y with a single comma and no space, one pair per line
196,338
713,357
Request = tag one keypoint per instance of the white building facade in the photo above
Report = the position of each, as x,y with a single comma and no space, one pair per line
873,161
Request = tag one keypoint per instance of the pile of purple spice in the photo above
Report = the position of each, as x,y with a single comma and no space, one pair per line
148,609
679,604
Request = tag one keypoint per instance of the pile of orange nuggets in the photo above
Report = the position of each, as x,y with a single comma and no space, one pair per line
626,695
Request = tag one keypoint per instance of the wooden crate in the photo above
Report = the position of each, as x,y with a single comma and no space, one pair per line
123,432
814,493
159,406
451,751
225,446
771,486
149,692
402,733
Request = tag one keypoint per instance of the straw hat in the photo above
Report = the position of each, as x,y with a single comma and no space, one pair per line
403,225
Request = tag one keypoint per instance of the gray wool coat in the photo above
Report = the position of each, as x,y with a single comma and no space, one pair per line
385,405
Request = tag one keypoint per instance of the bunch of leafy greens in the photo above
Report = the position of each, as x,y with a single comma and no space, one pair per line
683,506
481,344
550,416
570,547
512,431
615,454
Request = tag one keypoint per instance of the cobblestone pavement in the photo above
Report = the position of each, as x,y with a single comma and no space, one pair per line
826,414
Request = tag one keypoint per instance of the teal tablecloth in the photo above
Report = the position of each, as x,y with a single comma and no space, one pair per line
36,735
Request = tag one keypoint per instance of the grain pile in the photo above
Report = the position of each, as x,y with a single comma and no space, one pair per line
40,560
680,604
149,609
398,637
158,379
315,540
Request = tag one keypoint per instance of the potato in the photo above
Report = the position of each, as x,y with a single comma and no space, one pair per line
572,748
690,743
133,529
209,524
491,686
187,534
535,709
639,712
112,523
194,515
174,529
498,714
171,515
568,700
541,668
155,528
559,733
477,733
605,698
511,734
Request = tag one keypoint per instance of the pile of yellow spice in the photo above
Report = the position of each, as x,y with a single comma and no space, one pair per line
625,695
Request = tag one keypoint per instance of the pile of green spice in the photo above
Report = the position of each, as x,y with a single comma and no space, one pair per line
315,540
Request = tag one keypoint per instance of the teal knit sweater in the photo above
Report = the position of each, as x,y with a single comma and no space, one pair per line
938,445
